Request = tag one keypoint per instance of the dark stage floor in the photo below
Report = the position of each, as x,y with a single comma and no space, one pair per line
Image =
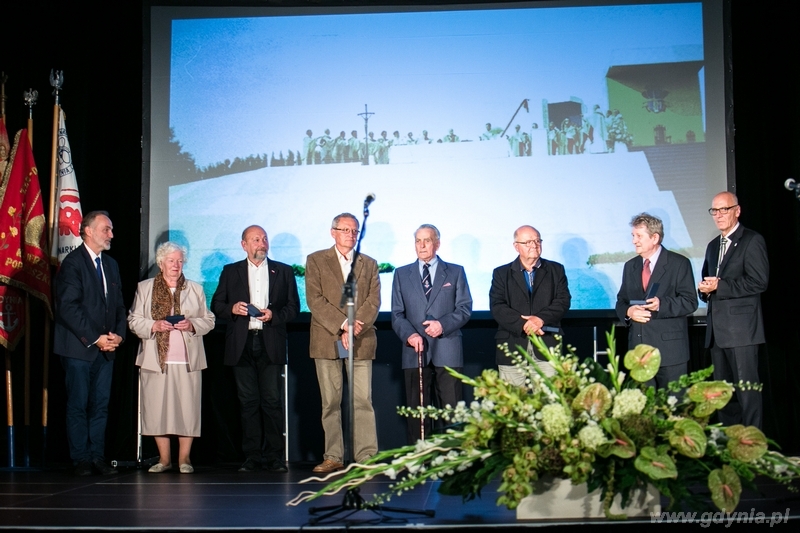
219,497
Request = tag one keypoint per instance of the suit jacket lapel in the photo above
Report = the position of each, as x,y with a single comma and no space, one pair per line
638,266
414,279
92,267
241,270
333,264
733,242
438,281
359,269
106,270
273,278
659,270
537,279
518,276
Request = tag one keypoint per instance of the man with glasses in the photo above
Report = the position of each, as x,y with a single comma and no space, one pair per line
431,302
655,297
326,272
735,273
529,296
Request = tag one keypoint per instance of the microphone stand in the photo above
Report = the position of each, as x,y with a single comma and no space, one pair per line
353,501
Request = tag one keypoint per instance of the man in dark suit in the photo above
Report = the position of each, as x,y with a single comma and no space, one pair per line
326,272
430,304
660,321
735,273
255,346
529,296
90,325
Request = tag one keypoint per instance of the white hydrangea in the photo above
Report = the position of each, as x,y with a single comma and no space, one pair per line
592,437
556,420
628,402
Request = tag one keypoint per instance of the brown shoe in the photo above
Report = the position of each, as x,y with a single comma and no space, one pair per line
327,466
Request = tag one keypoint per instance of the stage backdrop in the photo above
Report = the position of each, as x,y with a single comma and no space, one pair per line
481,119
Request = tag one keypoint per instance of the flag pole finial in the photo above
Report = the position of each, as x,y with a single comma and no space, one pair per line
56,81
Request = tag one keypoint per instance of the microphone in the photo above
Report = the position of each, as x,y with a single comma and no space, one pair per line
370,198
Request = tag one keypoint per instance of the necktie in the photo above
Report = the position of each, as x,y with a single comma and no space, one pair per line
99,269
646,274
723,242
426,280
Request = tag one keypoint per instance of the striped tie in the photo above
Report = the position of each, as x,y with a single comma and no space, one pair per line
723,242
426,280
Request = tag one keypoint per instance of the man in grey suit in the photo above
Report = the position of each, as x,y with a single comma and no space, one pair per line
735,273
529,296
661,320
90,326
326,272
430,304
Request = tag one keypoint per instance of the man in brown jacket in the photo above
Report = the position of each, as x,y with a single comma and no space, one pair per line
326,271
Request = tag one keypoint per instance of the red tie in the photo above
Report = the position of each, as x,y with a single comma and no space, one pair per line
646,274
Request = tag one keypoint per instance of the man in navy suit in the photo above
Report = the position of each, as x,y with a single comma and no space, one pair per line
529,296
430,304
90,325
660,321
255,346
735,273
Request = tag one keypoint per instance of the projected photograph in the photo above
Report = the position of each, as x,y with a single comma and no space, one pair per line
571,119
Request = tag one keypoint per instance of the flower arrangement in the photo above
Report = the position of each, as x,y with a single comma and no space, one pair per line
586,423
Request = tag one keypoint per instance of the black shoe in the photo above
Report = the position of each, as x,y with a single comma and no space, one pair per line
83,468
276,465
251,465
103,468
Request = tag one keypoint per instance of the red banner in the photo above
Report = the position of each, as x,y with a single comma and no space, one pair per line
12,316
24,261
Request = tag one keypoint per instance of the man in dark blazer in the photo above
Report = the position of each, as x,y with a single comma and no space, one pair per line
529,296
326,272
660,321
255,346
430,304
90,325
734,276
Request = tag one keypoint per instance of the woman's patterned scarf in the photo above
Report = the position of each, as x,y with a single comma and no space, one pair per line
161,307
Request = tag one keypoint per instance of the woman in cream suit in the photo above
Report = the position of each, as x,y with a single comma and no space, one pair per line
170,315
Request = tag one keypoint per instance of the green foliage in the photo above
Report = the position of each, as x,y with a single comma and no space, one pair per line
688,437
385,268
587,424
594,399
622,257
709,396
656,463
746,443
621,445
468,484
643,362
726,488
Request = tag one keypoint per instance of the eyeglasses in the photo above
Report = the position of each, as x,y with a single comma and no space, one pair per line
353,232
722,210
534,242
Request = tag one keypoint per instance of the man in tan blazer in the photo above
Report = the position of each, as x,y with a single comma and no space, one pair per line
326,271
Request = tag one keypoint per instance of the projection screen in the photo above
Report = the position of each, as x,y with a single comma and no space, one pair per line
481,118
